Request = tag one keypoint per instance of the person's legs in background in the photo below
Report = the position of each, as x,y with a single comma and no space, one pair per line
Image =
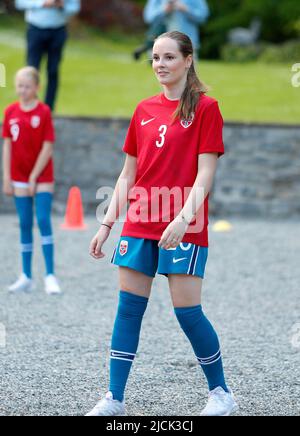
43,200
55,46
24,207
156,29
36,46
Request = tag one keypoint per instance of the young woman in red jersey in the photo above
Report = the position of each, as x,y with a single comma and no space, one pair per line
28,134
173,143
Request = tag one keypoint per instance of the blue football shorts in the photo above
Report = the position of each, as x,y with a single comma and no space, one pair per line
144,255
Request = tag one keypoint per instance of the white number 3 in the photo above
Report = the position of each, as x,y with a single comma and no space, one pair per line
163,129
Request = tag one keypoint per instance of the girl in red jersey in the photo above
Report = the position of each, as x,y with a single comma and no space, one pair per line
172,146
28,134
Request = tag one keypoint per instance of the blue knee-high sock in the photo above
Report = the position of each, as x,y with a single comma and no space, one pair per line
24,206
43,213
205,343
125,340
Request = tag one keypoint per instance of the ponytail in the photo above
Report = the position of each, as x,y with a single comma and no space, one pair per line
194,88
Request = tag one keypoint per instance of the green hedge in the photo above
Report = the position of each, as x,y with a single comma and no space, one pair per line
263,52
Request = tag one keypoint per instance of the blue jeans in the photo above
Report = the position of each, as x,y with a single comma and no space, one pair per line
48,42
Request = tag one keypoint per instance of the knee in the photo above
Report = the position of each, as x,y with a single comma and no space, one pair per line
131,305
135,282
188,317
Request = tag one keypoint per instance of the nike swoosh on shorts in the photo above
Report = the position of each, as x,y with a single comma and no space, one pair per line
178,260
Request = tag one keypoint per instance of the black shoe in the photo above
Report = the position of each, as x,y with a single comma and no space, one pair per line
137,54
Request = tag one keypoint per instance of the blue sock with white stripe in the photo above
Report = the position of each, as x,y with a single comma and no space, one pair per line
125,340
43,214
24,206
205,343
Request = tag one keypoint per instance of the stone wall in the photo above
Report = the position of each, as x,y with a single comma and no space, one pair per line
258,176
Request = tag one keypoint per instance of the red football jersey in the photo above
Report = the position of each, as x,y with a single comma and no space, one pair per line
28,131
167,162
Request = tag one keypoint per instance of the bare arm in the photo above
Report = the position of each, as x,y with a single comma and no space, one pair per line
34,4
197,11
6,159
124,184
41,163
207,165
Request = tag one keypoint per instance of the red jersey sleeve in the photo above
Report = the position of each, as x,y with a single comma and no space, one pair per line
49,132
211,134
6,133
130,145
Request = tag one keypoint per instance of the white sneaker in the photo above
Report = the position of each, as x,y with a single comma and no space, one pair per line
108,407
220,403
51,285
23,284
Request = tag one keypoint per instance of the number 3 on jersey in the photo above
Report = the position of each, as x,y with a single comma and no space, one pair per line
163,130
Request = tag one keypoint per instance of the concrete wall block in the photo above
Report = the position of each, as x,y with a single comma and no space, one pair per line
258,176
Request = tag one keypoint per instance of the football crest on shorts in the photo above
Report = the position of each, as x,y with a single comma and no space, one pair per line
35,121
123,247
187,123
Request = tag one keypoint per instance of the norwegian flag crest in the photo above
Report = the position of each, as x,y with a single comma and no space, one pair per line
123,247
187,123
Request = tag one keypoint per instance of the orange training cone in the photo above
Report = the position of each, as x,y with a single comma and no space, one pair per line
74,219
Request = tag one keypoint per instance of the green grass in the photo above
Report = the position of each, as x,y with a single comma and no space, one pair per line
99,78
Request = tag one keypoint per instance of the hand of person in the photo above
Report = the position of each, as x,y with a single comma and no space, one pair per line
173,234
169,6
7,188
32,185
50,4
59,3
98,241
179,6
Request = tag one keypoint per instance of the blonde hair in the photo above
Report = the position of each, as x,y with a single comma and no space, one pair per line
30,72
194,88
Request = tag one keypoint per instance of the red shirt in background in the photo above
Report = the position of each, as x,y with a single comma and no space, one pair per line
28,131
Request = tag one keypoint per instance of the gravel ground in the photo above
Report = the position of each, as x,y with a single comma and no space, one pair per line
56,357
